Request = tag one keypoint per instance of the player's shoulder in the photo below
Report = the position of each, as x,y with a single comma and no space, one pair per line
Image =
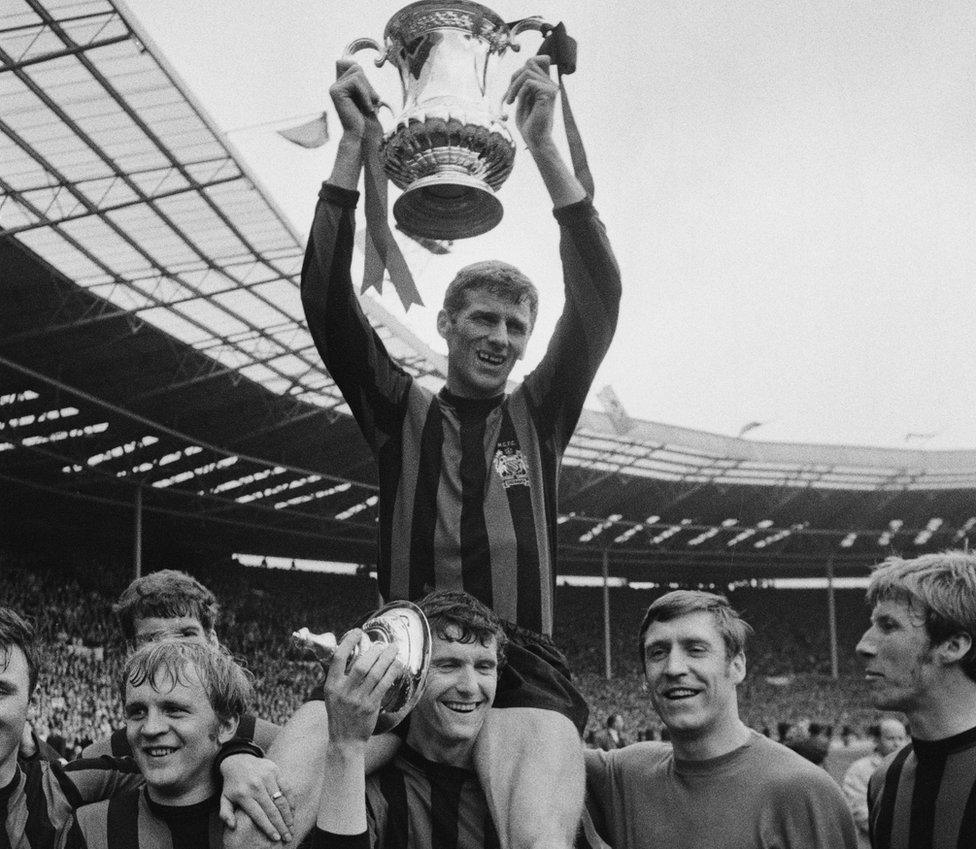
786,770
644,757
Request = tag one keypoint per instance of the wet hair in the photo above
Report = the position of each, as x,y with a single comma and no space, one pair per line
673,605
165,594
228,686
495,277
941,587
453,612
15,631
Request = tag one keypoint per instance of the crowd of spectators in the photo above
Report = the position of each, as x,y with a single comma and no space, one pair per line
71,603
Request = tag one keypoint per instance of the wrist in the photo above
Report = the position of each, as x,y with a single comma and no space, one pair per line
347,748
544,148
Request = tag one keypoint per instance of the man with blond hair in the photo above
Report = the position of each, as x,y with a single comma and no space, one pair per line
920,658
182,703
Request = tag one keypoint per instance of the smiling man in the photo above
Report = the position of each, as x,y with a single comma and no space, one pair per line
718,783
429,795
182,703
467,475
171,605
920,658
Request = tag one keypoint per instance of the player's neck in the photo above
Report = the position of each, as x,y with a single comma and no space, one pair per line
726,736
949,712
433,748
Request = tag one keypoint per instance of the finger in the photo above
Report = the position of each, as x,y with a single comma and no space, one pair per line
343,65
337,668
260,818
364,669
270,805
386,662
537,67
389,677
286,803
227,813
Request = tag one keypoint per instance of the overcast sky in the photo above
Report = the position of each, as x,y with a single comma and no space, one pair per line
789,185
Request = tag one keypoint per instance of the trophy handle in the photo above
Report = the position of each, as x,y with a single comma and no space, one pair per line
531,24
365,44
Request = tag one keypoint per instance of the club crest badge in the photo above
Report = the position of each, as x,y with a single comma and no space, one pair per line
510,464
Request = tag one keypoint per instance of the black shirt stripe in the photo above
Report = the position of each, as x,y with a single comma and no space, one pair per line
475,548
528,581
40,831
123,821
394,789
425,506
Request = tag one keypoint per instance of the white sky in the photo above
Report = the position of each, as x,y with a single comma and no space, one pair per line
789,186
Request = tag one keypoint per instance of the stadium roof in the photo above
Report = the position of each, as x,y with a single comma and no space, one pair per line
152,340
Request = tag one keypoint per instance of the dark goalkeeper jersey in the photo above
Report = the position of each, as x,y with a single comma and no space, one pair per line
467,487
924,797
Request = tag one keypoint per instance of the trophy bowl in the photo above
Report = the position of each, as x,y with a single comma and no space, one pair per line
402,624
450,149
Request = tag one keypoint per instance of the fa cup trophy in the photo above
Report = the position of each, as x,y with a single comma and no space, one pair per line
450,149
402,624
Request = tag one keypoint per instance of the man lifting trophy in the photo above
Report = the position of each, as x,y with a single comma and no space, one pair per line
468,475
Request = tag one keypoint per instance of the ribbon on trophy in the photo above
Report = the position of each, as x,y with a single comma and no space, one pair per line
381,249
560,47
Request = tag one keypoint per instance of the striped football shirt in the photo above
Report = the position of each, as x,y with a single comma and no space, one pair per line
467,488
924,797
36,805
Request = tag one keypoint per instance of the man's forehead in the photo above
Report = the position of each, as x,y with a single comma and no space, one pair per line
168,623
697,625
453,647
902,609
482,299
182,683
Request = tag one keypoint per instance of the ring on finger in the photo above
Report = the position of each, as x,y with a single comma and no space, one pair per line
276,795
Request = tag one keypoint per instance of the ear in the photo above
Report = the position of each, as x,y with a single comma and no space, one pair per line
443,323
737,668
227,728
954,649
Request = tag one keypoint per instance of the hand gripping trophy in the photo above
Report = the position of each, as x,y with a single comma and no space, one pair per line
403,624
450,148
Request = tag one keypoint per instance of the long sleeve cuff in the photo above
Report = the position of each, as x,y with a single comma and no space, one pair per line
578,211
327,840
347,198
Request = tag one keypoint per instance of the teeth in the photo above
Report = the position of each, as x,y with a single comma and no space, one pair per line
679,694
490,358
463,707
159,751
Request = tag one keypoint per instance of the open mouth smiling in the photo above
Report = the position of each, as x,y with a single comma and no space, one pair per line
461,707
679,693
158,751
490,359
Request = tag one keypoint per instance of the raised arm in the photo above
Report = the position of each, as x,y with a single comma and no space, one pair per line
353,698
370,381
559,385
535,94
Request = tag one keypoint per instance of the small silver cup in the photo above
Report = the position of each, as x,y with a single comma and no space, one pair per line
403,624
